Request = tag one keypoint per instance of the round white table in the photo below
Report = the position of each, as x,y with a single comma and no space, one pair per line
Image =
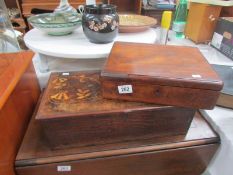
76,45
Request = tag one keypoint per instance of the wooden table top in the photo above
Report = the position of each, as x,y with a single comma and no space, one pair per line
12,66
36,151
77,46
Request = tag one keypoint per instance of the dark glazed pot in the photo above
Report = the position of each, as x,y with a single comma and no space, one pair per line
100,23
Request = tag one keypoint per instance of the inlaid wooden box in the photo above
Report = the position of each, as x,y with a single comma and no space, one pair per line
170,75
73,113
187,154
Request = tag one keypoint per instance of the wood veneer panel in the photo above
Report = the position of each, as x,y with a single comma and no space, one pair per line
39,151
227,12
67,99
12,66
28,5
127,6
170,75
201,22
191,161
183,154
19,93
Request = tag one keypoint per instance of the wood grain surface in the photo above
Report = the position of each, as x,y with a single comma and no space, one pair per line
19,91
127,6
12,66
28,5
225,100
201,22
76,100
181,154
171,75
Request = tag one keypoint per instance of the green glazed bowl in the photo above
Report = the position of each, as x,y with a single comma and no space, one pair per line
56,23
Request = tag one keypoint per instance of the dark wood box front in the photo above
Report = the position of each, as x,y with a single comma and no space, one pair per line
154,12
169,75
73,113
187,154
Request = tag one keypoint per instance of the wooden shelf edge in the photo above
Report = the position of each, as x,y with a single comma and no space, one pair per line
11,74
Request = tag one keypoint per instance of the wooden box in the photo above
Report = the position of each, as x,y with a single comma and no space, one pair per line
170,75
175,155
73,113
201,22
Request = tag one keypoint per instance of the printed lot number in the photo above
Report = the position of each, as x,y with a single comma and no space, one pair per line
63,168
125,89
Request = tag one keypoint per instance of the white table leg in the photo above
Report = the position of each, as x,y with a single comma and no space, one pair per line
44,67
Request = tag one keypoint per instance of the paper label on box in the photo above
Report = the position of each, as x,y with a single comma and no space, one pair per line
125,89
64,168
196,76
217,40
65,73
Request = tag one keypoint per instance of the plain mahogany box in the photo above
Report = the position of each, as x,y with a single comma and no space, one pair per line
187,154
73,113
169,75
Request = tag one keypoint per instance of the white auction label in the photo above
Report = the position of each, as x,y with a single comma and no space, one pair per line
196,76
125,89
65,73
64,168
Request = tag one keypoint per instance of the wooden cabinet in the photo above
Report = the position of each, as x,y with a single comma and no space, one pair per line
28,5
123,6
127,6
19,91
227,12
175,155
201,22
18,23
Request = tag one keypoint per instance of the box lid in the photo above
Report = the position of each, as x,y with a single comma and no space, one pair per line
163,65
74,94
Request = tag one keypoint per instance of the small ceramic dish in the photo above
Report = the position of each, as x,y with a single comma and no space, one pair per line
135,23
56,23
